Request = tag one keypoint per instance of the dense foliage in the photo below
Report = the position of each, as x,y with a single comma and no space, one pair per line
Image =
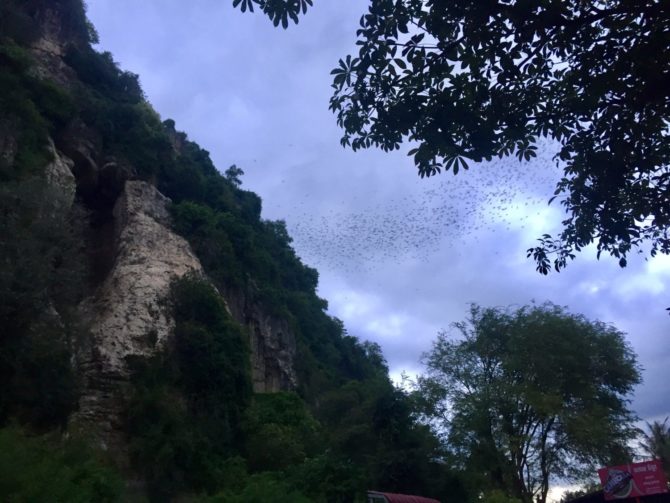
41,275
191,430
531,394
31,109
52,469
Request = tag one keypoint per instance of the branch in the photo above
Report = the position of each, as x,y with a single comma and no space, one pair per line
418,46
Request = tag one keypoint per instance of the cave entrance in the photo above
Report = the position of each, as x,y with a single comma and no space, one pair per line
98,189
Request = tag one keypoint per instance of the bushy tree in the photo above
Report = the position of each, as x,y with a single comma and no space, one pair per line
280,432
234,175
529,394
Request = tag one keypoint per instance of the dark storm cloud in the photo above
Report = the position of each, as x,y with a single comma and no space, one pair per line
399,258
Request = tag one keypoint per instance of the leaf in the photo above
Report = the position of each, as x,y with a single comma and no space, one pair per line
294,16
401,63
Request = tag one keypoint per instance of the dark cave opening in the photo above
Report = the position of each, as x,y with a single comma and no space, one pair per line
98,190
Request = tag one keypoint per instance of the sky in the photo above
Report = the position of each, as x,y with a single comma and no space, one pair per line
399,258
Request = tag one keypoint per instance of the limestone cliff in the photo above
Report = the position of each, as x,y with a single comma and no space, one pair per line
58,30
272,344
133,251
128,315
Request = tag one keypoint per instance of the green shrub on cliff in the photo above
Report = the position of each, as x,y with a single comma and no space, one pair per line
30,110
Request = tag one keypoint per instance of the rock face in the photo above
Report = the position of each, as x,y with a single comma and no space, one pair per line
128,315
272,344
272,352
56,34
59,174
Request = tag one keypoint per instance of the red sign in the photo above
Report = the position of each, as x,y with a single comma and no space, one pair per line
635,479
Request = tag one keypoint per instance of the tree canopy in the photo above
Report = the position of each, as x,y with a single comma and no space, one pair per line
527,395
279,11
471,81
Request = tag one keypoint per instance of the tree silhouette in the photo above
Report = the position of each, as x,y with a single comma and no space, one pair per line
656,443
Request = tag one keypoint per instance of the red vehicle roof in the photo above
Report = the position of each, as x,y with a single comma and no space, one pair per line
402,498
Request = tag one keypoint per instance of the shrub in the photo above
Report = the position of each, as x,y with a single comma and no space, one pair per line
52,469
280,432
263,487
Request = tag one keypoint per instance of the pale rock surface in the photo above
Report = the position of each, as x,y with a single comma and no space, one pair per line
128,314
59,175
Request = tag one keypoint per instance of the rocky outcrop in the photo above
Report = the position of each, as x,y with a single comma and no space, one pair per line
272,352
57,33
272,343
128,314
177,138
82,145
59,175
